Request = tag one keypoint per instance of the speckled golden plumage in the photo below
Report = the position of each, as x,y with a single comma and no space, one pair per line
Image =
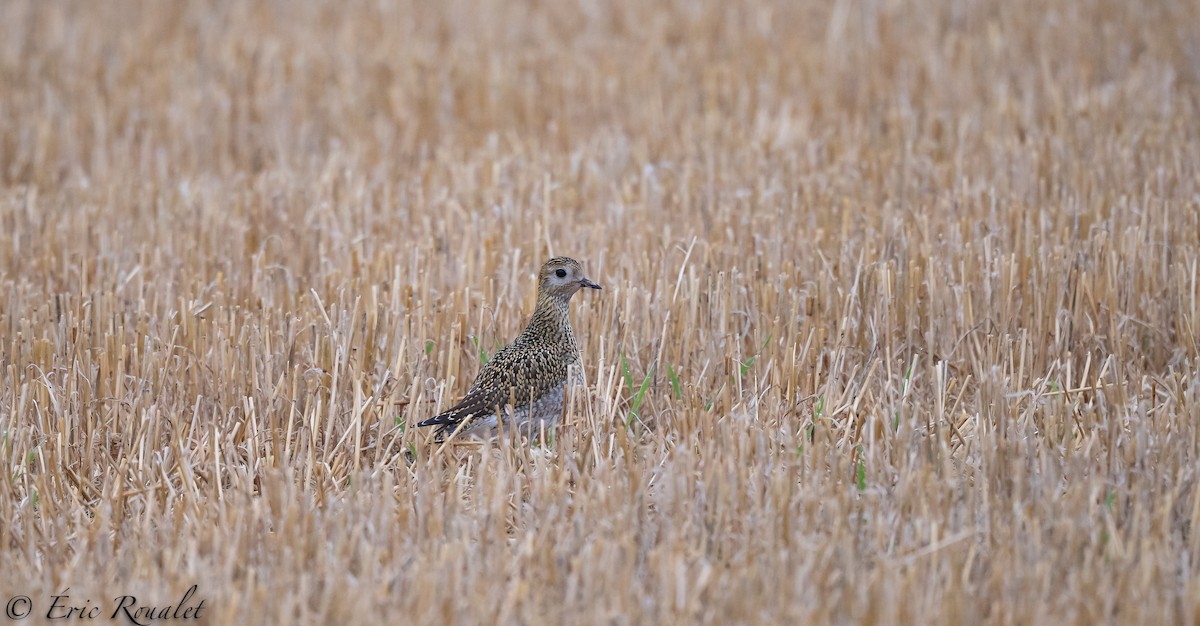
523,382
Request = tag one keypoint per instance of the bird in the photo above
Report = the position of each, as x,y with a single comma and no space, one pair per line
521,389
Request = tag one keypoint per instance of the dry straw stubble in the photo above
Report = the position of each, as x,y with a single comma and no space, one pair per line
913,285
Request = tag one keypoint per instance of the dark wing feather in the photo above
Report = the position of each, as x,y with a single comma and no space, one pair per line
517,374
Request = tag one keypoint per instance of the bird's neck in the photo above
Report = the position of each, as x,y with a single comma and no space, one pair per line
551,321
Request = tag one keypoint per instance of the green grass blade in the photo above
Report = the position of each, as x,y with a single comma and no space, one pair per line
674,381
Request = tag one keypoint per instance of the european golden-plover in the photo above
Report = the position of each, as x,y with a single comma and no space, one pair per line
521,389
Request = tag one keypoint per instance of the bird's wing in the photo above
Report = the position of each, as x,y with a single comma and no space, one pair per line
515,376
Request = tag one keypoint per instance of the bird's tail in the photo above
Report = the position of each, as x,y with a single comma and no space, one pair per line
437,420
446,423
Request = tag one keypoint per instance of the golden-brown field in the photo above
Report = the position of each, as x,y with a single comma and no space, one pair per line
899,326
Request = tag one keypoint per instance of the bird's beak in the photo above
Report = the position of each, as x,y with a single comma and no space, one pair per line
587,283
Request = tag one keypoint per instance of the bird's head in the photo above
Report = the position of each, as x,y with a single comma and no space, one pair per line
561,277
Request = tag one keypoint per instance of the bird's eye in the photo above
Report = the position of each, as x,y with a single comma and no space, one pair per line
560,273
